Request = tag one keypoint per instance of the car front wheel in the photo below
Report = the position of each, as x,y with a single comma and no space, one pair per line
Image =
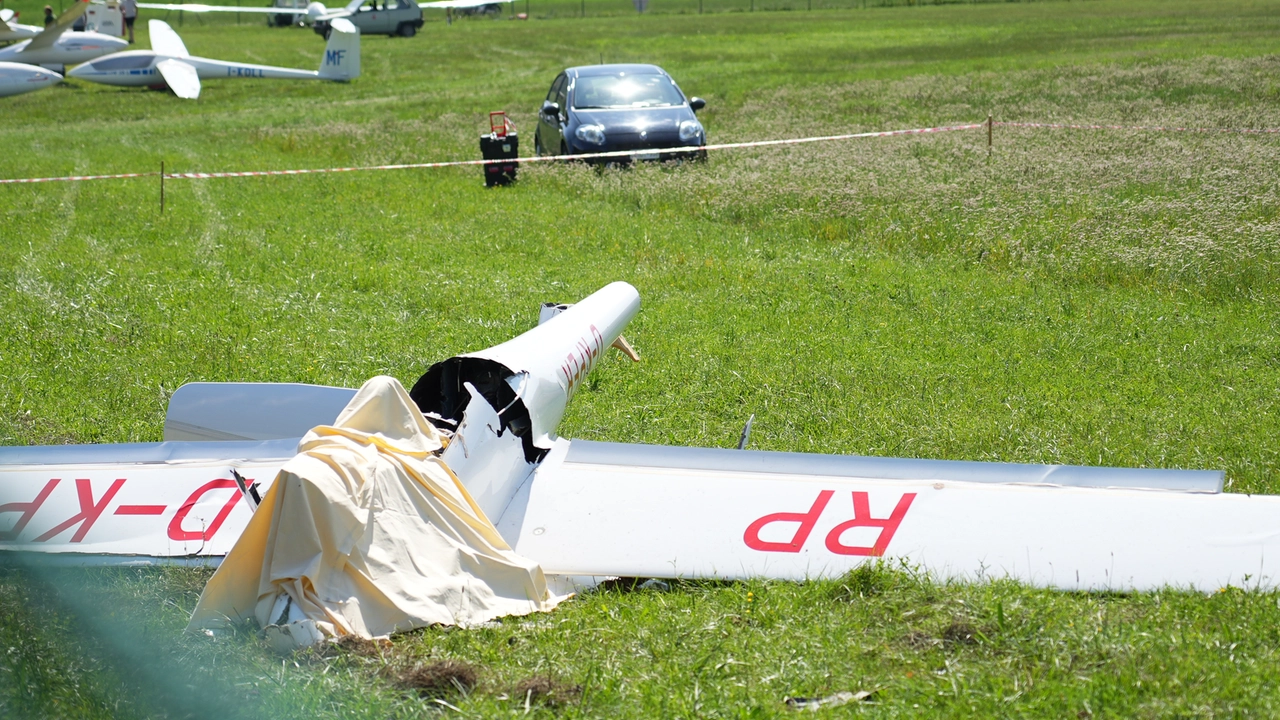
408,30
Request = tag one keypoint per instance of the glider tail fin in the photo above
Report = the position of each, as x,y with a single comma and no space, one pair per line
342,52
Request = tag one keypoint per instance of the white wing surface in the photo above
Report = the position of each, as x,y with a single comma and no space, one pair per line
443,4
346,11
181,78
50,35
165,41
602,509
251,411
199,8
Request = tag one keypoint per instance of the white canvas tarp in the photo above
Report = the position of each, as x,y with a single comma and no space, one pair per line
366,531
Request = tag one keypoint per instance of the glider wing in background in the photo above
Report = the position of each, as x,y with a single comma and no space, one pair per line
50,35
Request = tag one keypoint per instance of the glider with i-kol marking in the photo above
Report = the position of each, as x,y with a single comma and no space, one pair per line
169,63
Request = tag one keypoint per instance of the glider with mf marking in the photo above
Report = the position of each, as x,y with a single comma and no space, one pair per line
169,63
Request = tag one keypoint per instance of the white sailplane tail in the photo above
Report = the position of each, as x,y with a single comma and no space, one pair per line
341,60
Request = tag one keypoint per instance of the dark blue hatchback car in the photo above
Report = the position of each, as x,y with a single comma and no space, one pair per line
604,108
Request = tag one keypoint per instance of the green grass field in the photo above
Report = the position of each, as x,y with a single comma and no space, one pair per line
1088,297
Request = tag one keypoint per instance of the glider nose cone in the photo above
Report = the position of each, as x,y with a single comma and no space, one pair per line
80,71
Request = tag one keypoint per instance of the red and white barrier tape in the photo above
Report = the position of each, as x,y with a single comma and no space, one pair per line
633,153
1147,128
23,181
542,158
584,156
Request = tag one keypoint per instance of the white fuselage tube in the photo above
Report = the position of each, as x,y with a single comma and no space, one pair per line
137,68
71,48
18,78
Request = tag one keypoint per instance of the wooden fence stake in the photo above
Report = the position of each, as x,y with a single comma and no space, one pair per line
162,187
990,123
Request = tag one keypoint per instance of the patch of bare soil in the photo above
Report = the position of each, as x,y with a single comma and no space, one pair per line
437,679
960,632
546,691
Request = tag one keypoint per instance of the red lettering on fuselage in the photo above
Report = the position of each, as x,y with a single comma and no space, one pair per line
807,520
92,509
577,364
89,513
28,509
176,531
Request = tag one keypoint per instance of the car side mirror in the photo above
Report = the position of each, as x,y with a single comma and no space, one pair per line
697,103
550,108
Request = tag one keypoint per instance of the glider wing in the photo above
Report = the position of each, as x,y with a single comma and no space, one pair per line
456,4
199,8
181,78
50,35
605,509
346,11
165,41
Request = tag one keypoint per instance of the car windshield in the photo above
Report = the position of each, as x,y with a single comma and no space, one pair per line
625,91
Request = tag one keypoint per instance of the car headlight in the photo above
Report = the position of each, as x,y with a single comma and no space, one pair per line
690,130
593,134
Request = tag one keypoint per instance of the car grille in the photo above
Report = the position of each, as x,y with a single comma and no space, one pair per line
654,141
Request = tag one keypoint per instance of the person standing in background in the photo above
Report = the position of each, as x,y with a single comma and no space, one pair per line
129,8
48,16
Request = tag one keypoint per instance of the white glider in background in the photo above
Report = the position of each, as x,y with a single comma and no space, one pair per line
314,11
169,63
58,46
460,4
584,509
18,78
11,30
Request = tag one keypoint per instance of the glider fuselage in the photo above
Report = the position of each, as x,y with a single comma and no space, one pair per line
18,78
137,68
12,32
70,48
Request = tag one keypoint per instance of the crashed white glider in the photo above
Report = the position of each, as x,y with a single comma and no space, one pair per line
169,63
595,509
